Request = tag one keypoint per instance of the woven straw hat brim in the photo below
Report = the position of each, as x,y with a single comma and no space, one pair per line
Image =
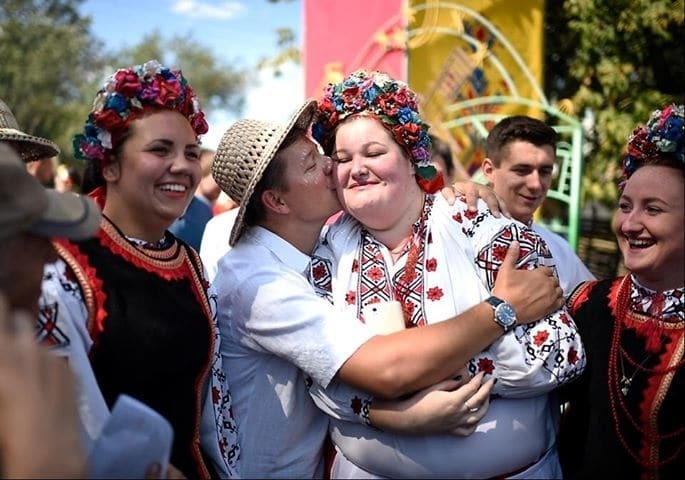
244,153
29,147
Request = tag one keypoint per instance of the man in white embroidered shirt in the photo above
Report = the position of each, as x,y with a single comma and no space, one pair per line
279,335
519,165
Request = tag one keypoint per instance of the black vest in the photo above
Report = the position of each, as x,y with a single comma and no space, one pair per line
151,324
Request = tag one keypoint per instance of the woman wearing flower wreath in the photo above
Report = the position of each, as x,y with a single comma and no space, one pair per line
401,243
129,308
625,415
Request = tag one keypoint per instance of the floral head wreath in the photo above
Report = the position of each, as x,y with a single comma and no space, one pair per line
664,135
393,103
127,95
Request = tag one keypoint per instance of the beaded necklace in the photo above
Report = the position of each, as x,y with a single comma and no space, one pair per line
619,385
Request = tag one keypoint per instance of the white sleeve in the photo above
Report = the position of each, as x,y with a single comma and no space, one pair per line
342,402
532,359
62,326
276,310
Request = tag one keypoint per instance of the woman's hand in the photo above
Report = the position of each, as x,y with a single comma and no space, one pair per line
472,191
452,406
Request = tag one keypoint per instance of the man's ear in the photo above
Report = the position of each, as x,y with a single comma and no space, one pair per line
488,168
274,201
111,172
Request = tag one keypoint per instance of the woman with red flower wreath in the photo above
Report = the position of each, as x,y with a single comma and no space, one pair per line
625,413
129,308
398,242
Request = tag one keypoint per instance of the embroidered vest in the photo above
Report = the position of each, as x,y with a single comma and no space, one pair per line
150,321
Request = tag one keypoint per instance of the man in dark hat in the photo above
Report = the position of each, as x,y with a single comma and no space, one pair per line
30,215
39,433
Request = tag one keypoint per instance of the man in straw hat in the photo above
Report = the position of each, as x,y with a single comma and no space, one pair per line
279,335
29,147
36,389
37,152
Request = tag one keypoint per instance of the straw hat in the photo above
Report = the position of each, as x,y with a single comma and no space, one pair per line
245,150
30,148
27,206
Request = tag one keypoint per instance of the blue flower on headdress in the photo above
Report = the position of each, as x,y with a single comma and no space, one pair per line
123,97
117,103
406,115
663,134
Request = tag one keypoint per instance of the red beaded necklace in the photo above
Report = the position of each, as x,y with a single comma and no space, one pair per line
617,383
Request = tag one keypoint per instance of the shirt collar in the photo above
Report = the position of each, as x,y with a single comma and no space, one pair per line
284,250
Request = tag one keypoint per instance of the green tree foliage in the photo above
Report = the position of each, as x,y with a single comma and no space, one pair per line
218,85
52,65
619,59
49,58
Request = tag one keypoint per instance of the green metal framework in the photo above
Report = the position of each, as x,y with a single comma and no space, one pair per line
460,115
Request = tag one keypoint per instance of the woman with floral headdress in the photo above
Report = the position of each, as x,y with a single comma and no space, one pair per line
401,243
625,413
129,308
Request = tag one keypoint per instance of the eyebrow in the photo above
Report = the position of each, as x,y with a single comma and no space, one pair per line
645,200
364,146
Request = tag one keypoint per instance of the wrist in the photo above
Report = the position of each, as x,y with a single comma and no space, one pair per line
504,314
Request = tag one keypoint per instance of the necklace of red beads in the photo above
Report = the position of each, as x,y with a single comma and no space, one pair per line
618,388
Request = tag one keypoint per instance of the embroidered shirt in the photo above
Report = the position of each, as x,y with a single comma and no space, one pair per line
570,269
462,252
73,318
278,336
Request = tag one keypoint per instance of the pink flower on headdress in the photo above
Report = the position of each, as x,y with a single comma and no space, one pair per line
665,114
92,151
127,83
150,92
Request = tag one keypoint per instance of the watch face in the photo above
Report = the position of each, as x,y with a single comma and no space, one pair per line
506,315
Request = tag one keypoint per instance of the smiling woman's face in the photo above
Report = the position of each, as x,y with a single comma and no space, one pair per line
373,175
155,175
650,226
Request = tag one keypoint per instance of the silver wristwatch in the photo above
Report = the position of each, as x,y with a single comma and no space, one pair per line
505,315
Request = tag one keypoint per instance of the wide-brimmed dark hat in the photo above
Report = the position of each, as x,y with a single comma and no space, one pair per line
29,147
27,206
243,154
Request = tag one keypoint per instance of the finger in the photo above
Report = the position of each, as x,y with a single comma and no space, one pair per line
153,471
445,386
464,431
450,194
511,257
472,195
467,390
482,394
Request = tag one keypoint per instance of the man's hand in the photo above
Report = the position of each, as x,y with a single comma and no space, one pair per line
532,293
472,191
452,407
39,433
